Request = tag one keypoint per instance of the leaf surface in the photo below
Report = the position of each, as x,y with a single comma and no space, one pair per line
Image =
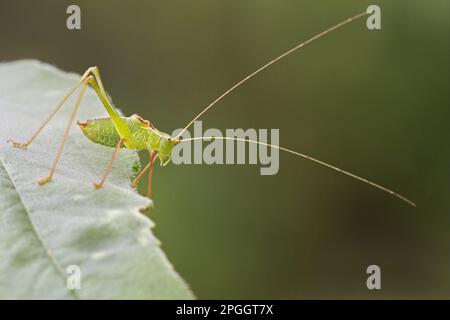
46,229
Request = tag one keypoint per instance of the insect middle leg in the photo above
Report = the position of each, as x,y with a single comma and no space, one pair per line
109,167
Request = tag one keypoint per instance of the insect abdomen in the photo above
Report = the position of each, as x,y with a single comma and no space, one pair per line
101,131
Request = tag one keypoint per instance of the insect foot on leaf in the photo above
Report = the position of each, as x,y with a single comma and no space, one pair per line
98,185
18,144
44,180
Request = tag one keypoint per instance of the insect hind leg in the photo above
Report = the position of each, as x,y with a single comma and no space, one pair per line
24,145
66,133
151,161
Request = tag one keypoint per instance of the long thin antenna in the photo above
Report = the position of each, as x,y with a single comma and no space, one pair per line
337,26
354,176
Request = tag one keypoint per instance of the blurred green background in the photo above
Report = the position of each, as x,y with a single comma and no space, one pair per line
373,102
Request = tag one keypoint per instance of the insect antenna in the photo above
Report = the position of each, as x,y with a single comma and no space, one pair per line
354,176
268,64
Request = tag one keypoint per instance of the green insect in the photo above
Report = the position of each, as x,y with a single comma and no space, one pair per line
136,133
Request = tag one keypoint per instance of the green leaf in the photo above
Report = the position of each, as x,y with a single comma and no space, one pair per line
46,229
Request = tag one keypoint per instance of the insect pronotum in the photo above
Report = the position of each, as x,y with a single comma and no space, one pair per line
136,133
